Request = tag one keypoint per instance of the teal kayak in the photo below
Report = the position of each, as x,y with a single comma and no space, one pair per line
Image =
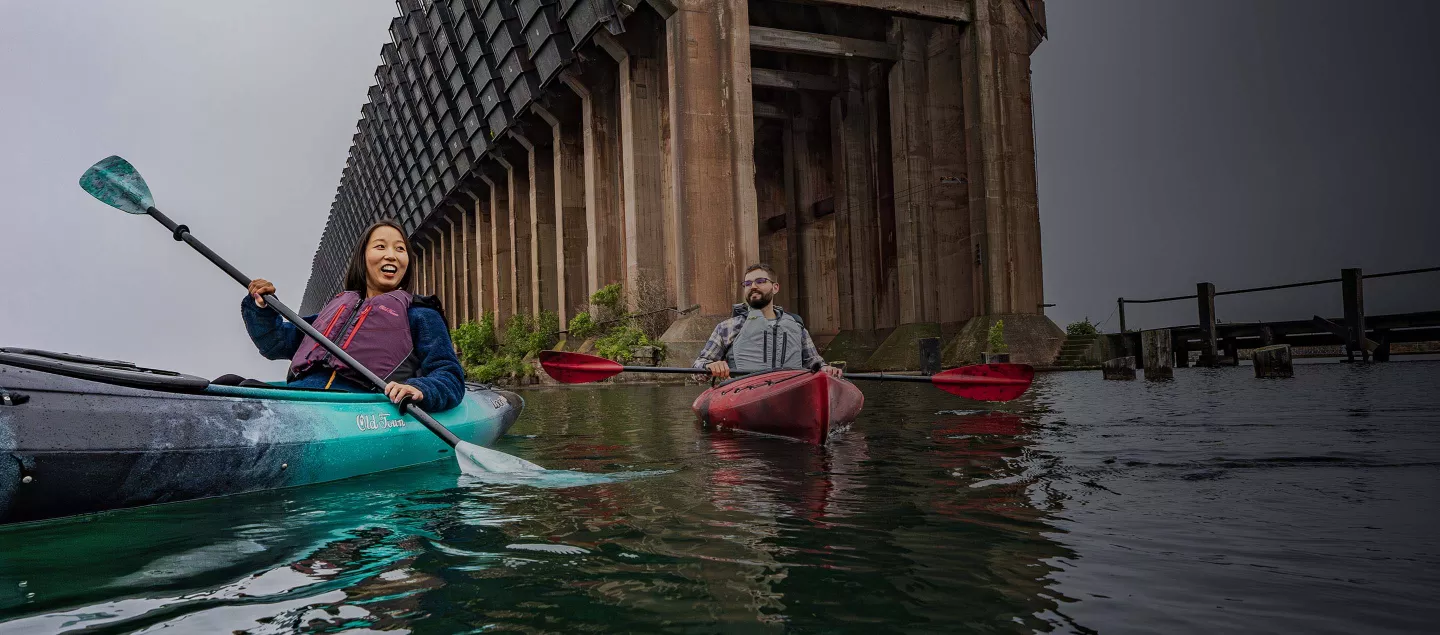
81,435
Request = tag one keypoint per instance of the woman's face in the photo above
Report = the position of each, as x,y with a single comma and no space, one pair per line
385,259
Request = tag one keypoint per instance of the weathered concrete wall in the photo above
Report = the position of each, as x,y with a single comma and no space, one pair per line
880,158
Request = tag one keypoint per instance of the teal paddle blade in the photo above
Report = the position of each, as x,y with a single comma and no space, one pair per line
116,183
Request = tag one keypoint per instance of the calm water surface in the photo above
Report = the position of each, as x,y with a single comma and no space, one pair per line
1216,502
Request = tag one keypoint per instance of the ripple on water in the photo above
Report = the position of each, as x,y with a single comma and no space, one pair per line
1215,502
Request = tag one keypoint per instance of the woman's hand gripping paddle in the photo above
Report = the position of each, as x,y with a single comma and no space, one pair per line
116,183
982,382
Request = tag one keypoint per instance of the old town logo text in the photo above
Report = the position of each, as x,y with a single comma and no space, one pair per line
377,422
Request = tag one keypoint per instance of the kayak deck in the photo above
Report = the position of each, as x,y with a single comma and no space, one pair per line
797,404
78,446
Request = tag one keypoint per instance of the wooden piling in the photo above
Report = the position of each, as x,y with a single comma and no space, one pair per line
1155,346
1120,368
1353,295
1273,361
1205,294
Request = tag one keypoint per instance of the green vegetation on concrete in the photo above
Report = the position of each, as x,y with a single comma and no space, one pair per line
996,342
1081,328
487,358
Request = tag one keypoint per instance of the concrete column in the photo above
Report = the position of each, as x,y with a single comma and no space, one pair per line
910,160
484,242
477,284
455,280
956,276
541,163
1000,146
518,182
712,145
417,262
600,120
817,284
857,229
571,244
503,296
641,105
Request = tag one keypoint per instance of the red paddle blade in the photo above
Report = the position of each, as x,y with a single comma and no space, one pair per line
577,368
986,382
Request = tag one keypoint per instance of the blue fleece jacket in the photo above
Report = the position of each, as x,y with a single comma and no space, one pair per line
439,375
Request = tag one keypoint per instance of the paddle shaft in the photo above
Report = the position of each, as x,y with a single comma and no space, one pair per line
702,371
927,379
182,233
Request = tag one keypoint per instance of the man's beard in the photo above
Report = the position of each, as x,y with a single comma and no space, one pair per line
758,303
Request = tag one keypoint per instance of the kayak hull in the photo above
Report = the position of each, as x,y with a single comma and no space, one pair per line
797,404
77,446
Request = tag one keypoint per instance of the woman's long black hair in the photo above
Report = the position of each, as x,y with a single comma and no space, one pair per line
355,275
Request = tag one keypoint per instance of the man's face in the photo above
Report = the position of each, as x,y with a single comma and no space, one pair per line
759,288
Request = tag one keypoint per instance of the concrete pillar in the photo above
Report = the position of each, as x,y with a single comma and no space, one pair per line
712,146
712,142
455,279
604,226
472,245
571,244
641,105
485,253
1000,158
541,163
817,284
857,227
956,276
517,176
775,203
503,296
417,262
910,161
442,271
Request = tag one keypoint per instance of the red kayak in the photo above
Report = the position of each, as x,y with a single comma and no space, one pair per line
790,403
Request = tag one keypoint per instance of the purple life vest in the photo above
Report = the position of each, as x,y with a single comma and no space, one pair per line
375,331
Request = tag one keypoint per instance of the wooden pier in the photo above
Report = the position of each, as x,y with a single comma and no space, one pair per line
1368,337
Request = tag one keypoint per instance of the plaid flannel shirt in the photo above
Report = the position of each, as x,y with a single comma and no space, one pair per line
718,346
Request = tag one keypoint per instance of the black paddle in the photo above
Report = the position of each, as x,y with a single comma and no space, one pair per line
116,183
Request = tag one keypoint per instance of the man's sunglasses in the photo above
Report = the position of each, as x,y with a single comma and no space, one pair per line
755,281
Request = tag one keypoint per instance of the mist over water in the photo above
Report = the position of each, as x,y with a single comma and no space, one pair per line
1216,502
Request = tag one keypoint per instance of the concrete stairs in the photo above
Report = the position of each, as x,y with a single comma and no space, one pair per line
1072,352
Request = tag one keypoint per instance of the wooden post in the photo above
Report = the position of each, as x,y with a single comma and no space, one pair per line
1353,295
1181,348
1121,368
1232,351
929,355
1155,346
1273,361
1120,308
1205,293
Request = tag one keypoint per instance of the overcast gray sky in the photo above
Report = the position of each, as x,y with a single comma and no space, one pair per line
1244,143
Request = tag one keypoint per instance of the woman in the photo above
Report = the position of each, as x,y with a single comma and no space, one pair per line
400,337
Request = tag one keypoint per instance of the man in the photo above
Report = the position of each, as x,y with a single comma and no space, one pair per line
760,336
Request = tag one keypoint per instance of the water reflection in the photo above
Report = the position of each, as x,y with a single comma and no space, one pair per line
930,514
